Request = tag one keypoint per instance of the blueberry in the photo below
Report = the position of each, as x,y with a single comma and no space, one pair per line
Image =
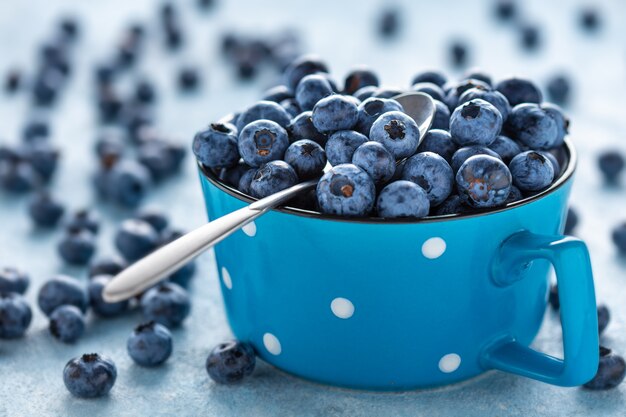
387,92
553,297
334,113
145,92
531,171
158,159
439,142
183,275
13,280
506,148
455,90
590,19
459,52
454,204
45,210
109,150
15,315
441,119
216,146
611,164
476,122
155,217
430,76
271,178
67,323
559,88
533,126
106,266
483,181
402,199
43,157
561,120
166,303
61,290
301,67
135,239
307,158
311,89
232,175
397,132
170,235
188,79
77,246
491,96
530,36
358,78
519,90
13,81
150,344
611,371
246,180
230,362
266,110
431,89
619,238
462,155
301,127
506,9
346,190
389,22
376,160
341,146
431,172
604,316
18,177
371,109
292,107
84,219
90,375
571,221
514,195
366,92
127,183
262,141
36,129
99,306
555,164
277,94
478,74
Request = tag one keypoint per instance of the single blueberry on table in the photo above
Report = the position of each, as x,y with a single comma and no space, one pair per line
77,247
519,90
531,171
430,76
15,315
277,93
262,141
604,316
13,280
559,89
397,132
61,290
533,126
431,89
301,67
371,108
334,113
441,119
307,158
301,127
431,172
311,89
271,178
107,266
571,221
611,164
494,97
358,78
483,181
341,146
454,204
183,275
67,323
166,303
216,146
476,122
590,19
462,154
439,142
346,190
135,239
553,297
145,92
611,371
84,219
459,53
126,183
188,79
150,344
263,110
35,129
44,158
530,36
505,147
18,177
230,362
402,199
98,305
373,158
157,218
45,210
506,9
619,238
90,375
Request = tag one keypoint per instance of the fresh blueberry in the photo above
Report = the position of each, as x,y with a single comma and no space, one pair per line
389,22
334,113
307,158
61,290
561,120
126,183
271,178
553,297
431,172
145,92
619,238
463,154
45,210
231,176
397,132
67,323
230,362
84,219
431,89
341,146
459,53
611,164
358,78
483,181
35,129
454,204
90,375
263,110
505,147
13,280
158,159
312,89
519,90
439,142
388,92
611,371
109,150
376,160
531,171
18,177
188,79
441,119
183,275
246,180
216,146
571,221
135,239
346,190
533,126
530,36
15,315
371,109
478,74
301,127
491,96
476,122
156,217
301,67
77,246
604,316
430,76
262,141
99,306
402,199
555,164
292,107
506,9
454,90
277,93
13,81
514,195
43,157
366,92
150,344
590,19
559,88
166,303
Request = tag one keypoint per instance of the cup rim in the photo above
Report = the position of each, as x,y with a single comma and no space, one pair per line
572,161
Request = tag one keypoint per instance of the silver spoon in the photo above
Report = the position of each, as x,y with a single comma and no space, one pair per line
164,261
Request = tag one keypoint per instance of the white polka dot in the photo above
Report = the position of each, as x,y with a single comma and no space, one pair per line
250,229
449,363
342,308
272,344
434,247
228,282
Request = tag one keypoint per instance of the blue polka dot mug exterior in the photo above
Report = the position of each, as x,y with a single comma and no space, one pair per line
372,304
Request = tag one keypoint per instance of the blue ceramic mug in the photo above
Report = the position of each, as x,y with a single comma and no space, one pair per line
381,305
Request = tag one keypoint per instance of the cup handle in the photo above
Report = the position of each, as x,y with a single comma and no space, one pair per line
579,320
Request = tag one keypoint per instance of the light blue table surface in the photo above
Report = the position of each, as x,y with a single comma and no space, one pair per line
341,31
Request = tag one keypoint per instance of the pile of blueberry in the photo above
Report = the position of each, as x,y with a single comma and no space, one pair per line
490,143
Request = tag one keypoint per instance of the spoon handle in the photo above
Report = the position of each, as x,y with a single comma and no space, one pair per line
169,258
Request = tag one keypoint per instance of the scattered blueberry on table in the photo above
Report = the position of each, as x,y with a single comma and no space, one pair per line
13,280
90,375
150,344
611,164
15,315
96,301
61,290
67,323
231,362
611,371
166,303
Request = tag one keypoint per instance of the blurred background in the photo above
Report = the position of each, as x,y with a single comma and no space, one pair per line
75,72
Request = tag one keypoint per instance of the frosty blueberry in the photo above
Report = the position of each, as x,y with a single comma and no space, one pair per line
397,132
346,190
262,141
402,199
483,181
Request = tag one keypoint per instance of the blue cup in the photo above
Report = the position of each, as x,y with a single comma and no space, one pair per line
396,305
